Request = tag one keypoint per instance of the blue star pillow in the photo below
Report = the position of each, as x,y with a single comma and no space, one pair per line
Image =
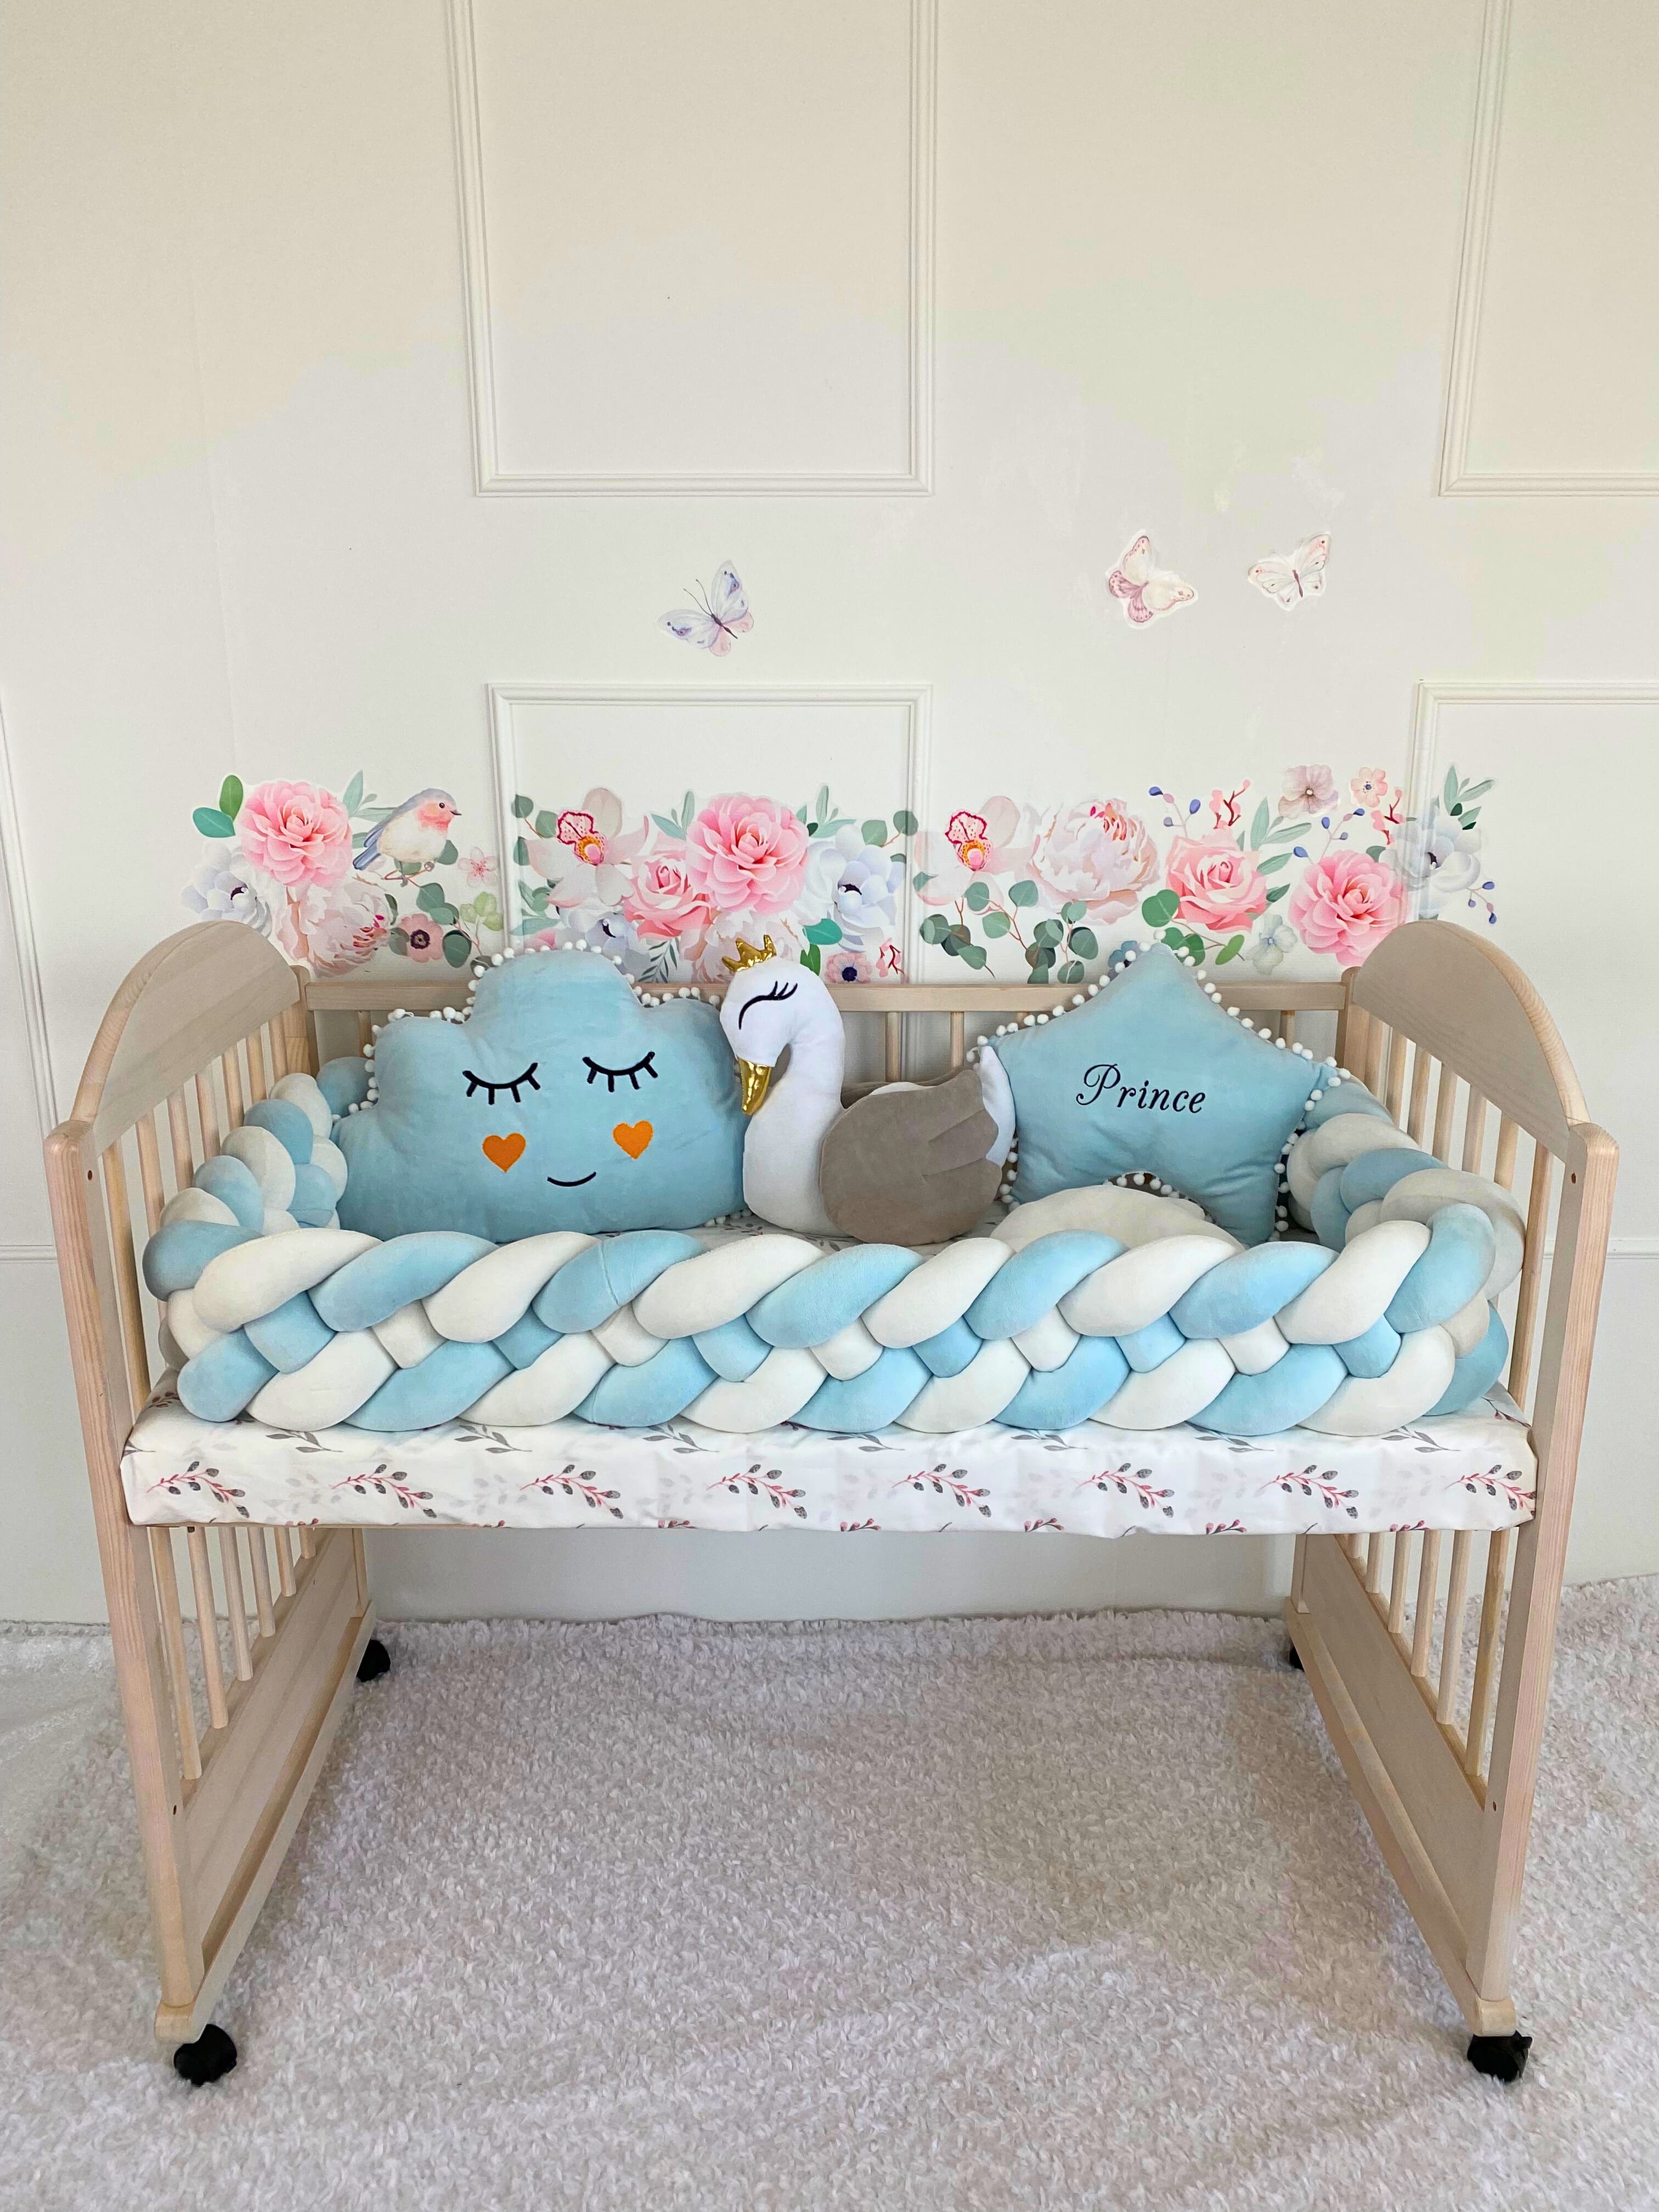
1153,1075
559,1103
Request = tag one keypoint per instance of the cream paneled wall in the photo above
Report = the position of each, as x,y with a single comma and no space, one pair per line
917,315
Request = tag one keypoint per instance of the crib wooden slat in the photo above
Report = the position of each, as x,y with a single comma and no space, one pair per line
958,1040
207,1624
1376,1057
258,1075
1474,1130
1486,1655
1287,1026
184,1163
232,1070
259,1560
1451,1642
365,1032
284,1539
278,1045
208,1114
149,1171
119,1209
173,1639
1373,1562
1396,1090
894,1026
1532,1271
1445,1108
1399,1580
1508,1134
1417,1113
1423,1620
307,1540
230,1565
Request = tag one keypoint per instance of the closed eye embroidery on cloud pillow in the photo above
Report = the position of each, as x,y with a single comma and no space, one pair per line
1153,1077
504,1124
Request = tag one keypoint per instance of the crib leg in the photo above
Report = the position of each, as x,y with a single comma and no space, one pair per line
375,1662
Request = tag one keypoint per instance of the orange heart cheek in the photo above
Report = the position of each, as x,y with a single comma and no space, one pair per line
633,1137
502,1151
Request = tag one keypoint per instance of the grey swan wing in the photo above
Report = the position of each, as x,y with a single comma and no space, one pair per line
910,1166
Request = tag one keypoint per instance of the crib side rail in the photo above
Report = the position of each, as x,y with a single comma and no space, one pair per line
1434,1697
228,1714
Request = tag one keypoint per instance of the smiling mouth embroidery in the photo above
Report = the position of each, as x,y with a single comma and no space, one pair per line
576,1181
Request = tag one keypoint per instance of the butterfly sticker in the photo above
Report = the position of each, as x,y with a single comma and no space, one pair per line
1145,589
722,614
1290,578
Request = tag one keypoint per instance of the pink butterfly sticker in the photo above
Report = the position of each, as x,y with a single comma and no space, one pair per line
1145,589
721,615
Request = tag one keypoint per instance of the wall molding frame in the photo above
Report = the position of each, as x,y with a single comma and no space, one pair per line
35,1031
502,699
1455,479
491,480
1431,693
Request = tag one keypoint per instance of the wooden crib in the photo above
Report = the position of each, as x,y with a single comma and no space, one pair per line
228,1732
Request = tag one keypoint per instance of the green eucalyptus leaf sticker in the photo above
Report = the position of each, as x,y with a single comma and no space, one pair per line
905,823
523,807
546,824
978,896
933,926
352,798
429,897
823,933
1073,910
1048,933
874,832
973,954
230,796
1023,893
1159,908
996,923
1259,824
1230,950
1085,944
448,857
212,822
457,947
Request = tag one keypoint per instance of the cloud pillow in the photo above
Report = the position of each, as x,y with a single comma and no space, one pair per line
1152,1075
559,1103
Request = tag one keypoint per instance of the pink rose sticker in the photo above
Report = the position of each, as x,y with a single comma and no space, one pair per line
1345,904
1220,888
661,901
743,852
296,833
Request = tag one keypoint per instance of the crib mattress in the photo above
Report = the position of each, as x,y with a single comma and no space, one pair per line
1472,1470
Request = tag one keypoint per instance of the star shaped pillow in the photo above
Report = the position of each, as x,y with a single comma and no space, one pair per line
1152,1076
559,1103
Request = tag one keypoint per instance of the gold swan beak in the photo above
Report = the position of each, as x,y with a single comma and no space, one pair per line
754,1078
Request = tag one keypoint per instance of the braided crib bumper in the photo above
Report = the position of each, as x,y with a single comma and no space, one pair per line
1105,1303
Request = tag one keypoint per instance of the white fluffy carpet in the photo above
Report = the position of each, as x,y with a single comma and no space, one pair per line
1038,1913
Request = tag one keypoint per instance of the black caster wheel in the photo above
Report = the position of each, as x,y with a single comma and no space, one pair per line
1293,1657
1502,2057
211,2055
375,1662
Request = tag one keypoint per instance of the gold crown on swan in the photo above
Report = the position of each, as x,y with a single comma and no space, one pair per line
751,955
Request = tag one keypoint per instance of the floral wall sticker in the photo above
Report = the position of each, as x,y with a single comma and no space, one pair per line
721,615
1293,578
331,880
1144,588
1022,892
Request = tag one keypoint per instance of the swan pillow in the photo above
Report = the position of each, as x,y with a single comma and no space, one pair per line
1153,1076
559,1103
